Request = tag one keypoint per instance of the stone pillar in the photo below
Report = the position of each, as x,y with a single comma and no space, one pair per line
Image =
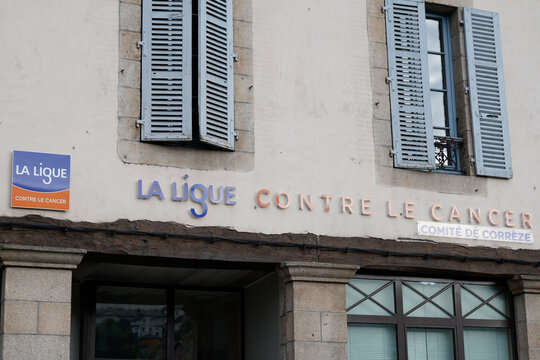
36,301
313,311
526,291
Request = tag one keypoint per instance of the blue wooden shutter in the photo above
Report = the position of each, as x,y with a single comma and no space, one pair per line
486,92
410,105
166,70
216,98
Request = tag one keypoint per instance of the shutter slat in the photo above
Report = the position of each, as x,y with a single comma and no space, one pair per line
166,71
412,131
216,80
487,96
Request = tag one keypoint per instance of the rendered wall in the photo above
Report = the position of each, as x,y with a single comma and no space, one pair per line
312,113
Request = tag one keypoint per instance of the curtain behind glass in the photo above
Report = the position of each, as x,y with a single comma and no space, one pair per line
486,343
430,344
372,342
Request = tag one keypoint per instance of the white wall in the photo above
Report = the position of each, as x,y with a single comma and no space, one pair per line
312,112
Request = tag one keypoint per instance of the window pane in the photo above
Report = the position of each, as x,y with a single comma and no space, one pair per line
385,297
435,72
207,325
412,298
473,296
372,342
438,113
486,343
131,323
433,35
430,344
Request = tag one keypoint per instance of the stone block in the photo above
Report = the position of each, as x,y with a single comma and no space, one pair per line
128,45
130,17
34,347
374,8
129,73
243,88
129,102
19,317
132,1
378,55
127,129
381,107
460,72
245,142
378,81
320,351
54,318
306,325
242,10
33,284
532,307
377,29
382,156
243,116
334,327
313,296
244,63
382,132
243,36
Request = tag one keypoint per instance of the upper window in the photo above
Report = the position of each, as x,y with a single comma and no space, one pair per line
426,319
422,95
441,91
187,72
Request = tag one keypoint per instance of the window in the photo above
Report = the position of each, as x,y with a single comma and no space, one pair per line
424,131
187,72
127,322
427,319
441,91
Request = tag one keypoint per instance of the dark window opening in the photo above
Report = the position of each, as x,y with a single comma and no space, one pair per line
165,323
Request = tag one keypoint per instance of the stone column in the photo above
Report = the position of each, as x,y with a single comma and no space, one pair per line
526,291
313,311
36,301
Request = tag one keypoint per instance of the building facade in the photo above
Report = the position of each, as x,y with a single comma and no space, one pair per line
248,179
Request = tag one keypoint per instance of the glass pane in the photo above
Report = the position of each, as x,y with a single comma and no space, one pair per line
131,323
430,344
435,71
411,299
470,301
207,325
438,113
372,342
433,35
385,297
486,343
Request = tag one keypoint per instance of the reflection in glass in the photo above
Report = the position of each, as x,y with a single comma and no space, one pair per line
433,35
412,298
435,71
384,297
206,325
472,297
131,323
438,113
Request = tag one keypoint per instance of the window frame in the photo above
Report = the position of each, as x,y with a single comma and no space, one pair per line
449,91
457,322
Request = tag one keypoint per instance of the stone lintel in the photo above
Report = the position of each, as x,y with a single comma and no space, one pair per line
524,284
40,256
316,272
